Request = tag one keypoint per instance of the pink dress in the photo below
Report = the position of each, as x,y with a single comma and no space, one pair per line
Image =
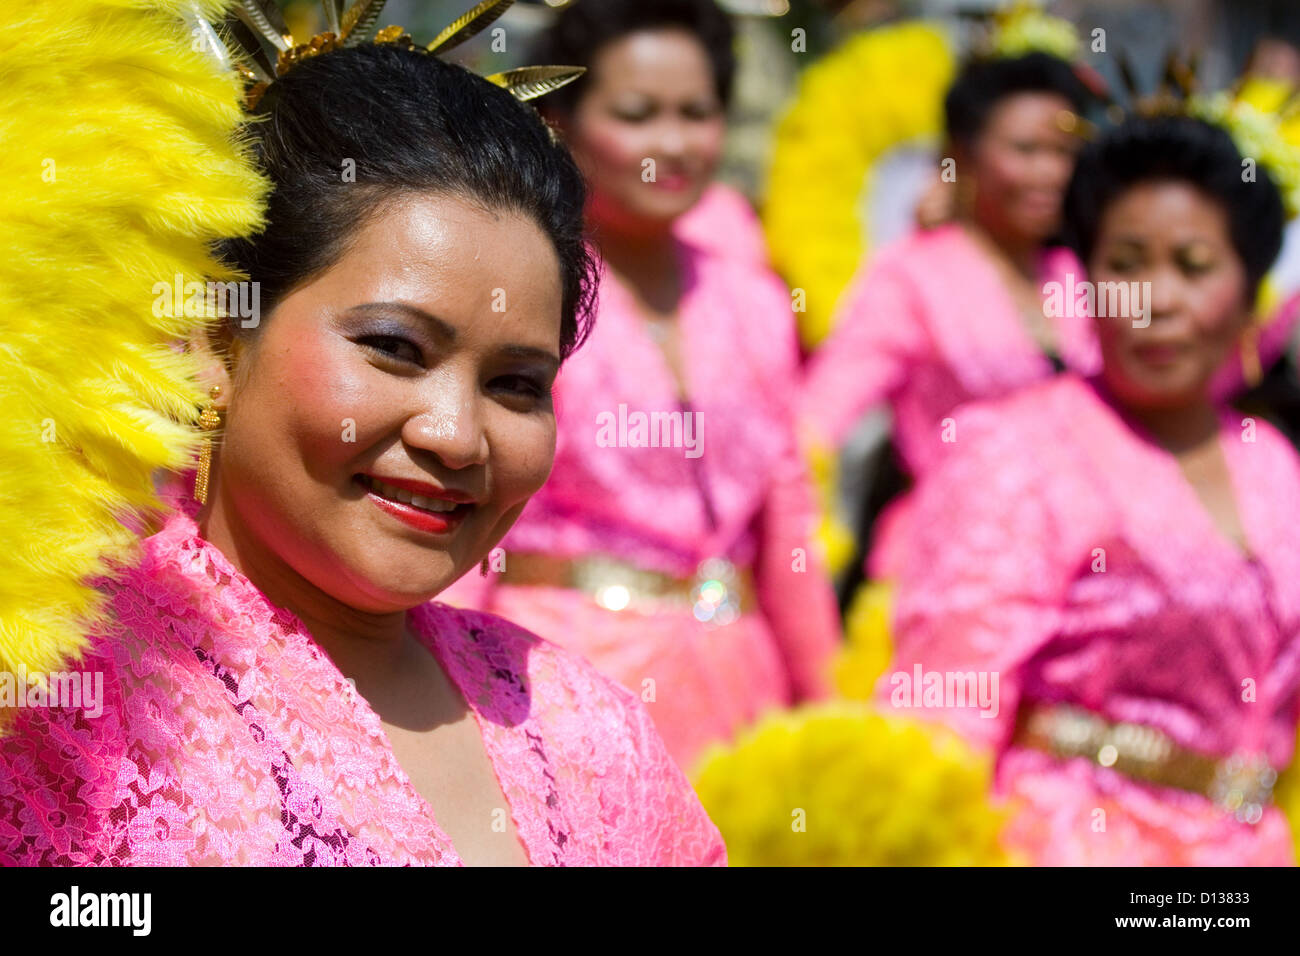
229,737
745,497
724,222
1059,549
925,326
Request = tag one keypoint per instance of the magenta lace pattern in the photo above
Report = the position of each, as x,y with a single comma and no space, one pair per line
229,737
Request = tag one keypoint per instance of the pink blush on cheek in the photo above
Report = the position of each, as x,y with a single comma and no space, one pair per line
324,382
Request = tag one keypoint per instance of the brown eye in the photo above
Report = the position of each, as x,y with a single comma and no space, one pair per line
1196,263
393,348
523,385
702,111
634,112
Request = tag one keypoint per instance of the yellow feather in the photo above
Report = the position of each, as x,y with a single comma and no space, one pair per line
123,160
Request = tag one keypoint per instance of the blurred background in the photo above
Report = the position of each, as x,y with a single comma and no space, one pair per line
1225,34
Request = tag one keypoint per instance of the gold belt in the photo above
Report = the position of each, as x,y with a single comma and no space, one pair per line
718,593
1241,784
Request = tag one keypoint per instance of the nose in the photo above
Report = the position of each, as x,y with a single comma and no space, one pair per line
1166,293
673,139
450,423
1054,168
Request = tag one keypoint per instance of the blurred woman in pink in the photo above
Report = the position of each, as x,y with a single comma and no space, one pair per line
954,313
1103,577
670,545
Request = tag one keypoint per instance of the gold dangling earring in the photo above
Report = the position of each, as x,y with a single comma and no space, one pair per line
1252,369
209,421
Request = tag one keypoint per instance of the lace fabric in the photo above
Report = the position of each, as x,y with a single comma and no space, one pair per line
229,737
1058,549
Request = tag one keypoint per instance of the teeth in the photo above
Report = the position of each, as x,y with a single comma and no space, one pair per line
400,494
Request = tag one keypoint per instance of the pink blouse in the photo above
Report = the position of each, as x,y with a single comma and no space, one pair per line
1058,548
742,491
927,325
229,737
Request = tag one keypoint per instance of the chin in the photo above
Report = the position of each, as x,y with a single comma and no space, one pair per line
1163,392
389,585
1039,230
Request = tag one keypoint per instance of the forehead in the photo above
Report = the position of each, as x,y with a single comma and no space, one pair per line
1036,110
1165,210
452,257
663,62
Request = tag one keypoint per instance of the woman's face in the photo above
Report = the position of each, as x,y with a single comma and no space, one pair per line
649,130
1171,235
422,359
1022,161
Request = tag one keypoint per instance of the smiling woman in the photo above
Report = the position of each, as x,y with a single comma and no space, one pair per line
281,686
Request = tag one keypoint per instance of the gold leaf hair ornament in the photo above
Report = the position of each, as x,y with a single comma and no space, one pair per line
261,48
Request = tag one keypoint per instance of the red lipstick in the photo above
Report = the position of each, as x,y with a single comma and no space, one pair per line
381,490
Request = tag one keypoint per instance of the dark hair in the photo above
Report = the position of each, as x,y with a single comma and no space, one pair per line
1145,149
983,83
584,29
411,123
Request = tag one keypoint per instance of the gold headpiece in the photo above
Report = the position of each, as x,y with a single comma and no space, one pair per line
264,50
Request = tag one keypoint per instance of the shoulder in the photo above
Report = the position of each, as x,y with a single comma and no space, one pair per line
900,276
914,255
1037,422
725,221
1021,460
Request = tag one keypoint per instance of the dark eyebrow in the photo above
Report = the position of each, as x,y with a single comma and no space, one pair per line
445,329
549,359
448,331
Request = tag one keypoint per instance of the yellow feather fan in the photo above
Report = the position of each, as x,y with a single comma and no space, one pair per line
121,164
840,784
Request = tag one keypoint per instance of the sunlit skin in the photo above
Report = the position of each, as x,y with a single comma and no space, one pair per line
1177,238
651,95
400,337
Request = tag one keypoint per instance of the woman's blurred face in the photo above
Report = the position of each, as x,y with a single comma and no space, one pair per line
649,130
393,416
1022,161
1175,237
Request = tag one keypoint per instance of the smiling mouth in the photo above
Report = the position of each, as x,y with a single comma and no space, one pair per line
423,512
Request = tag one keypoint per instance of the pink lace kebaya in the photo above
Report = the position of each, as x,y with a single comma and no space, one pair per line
229,737
1059,548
